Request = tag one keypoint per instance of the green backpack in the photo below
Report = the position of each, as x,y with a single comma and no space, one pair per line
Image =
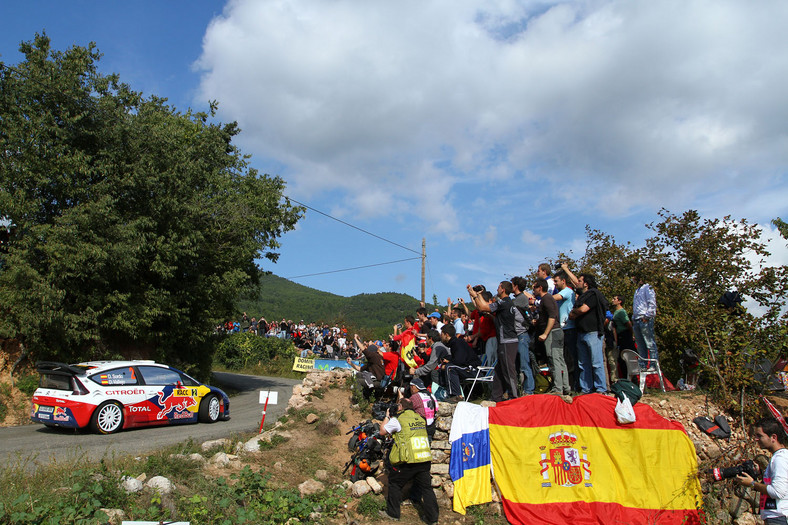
624,388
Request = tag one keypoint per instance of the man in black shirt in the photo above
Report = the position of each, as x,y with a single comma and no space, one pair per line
548,328
462,361
589,316
506,317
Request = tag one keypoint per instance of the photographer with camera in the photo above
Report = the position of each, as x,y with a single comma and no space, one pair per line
409,459
770,435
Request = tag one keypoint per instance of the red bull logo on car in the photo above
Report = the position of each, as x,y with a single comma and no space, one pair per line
177,401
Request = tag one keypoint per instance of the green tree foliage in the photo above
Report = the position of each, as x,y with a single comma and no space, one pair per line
691,262
135,226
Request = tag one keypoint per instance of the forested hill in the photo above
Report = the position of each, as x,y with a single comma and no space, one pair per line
280,298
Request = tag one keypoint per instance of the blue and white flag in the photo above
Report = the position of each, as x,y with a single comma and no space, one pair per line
470,466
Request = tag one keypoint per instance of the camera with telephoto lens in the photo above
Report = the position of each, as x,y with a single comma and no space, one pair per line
379,410
749,467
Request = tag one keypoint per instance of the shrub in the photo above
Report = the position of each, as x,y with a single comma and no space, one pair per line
27,384
244,350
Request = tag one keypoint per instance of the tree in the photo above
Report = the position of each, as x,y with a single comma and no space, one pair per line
135,226
691,262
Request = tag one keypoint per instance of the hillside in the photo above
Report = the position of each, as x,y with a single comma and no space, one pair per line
279,298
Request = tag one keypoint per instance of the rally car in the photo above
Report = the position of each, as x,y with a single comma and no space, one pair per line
111,395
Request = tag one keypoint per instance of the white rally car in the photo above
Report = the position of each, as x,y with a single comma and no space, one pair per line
112,395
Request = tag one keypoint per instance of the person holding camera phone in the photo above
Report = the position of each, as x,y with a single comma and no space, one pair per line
770,435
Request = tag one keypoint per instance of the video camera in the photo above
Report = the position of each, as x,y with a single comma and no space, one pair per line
749,467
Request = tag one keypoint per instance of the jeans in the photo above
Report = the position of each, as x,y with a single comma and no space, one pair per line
644,337
491,350
524,349
591,361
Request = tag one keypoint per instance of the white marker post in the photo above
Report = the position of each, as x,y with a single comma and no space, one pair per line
267,396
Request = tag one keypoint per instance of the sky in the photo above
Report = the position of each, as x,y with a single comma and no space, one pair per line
495,130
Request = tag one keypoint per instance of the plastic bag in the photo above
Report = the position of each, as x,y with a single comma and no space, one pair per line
625,414
439,392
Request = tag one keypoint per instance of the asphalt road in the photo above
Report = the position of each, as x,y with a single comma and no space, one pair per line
29,446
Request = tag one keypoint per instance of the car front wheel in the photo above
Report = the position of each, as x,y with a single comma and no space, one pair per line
107,418
209,409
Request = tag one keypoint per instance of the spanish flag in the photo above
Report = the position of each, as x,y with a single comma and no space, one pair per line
558,463
408,352
470,465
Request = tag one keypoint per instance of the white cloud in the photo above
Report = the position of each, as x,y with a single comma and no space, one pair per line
443,116
535,242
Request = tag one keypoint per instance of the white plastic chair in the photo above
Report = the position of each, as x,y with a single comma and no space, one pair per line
633,360
484,374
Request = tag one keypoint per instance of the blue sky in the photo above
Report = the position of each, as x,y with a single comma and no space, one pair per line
497,130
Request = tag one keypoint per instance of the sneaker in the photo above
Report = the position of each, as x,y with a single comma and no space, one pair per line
386,516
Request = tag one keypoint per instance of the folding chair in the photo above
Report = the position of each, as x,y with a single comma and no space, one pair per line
632,359
484,374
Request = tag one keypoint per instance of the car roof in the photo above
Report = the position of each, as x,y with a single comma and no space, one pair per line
98,366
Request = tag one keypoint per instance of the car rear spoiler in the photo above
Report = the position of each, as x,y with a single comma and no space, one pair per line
61,369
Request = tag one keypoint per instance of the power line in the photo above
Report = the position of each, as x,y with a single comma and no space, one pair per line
357,228
354,268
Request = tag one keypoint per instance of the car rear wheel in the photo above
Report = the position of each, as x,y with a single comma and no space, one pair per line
107,418
209,409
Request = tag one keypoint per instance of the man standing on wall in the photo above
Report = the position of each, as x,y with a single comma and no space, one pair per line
506,314
589,316
644,310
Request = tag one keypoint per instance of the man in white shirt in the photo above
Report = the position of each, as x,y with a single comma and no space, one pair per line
770,435
644,310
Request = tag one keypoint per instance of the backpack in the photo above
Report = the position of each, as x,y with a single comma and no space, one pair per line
625,388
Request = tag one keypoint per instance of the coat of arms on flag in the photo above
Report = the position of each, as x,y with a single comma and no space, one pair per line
568,467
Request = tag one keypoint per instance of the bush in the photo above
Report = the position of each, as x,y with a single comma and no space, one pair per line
244,350
27,384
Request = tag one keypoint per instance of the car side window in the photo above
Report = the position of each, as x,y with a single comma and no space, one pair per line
116,376
154,375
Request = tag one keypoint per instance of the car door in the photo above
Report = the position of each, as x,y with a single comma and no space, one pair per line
173,401
122,384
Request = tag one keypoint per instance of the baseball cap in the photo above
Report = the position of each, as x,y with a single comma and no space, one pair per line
435,314
418,383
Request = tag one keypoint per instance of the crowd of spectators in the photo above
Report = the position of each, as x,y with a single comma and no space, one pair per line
311,339
555,328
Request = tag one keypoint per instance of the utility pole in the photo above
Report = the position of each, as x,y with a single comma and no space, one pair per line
423,264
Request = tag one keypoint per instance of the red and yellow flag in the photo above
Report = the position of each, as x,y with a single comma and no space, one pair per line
558,462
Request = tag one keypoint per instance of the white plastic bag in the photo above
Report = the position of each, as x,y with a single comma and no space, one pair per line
625,414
